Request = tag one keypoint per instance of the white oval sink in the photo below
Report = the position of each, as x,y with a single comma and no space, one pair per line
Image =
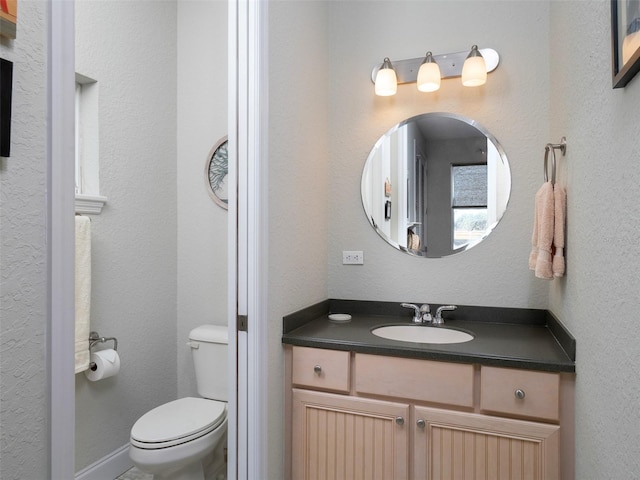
422,334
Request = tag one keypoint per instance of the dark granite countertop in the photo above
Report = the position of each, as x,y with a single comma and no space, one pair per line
505,337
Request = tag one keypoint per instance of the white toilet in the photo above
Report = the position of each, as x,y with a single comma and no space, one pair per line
176,441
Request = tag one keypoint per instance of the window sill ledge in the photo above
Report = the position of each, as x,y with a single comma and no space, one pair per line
90,204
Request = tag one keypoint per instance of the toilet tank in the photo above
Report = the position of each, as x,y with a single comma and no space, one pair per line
209,349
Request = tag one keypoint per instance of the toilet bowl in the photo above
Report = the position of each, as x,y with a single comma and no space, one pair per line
171,440
176,441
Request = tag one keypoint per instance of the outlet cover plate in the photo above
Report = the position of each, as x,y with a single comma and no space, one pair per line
352,257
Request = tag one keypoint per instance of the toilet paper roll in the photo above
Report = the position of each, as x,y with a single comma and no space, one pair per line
107,364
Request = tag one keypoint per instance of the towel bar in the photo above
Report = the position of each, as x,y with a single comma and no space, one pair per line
94,338
552,147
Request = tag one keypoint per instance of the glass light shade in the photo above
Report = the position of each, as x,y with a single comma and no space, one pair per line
474,71
386,79
429,77
386,82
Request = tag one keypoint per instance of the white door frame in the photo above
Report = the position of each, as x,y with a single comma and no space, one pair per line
248,252
248,235
61,239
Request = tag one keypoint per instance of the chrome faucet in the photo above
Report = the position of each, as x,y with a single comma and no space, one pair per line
438,320
421,314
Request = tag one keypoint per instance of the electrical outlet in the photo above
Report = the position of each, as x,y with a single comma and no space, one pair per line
352,257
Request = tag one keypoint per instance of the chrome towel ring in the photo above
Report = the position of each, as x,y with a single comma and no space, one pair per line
551,148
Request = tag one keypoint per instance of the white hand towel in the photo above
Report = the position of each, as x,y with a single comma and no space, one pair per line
83,292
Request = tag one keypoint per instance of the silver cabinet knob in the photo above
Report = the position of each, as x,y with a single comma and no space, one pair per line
317,369
519,394
399,421
421,423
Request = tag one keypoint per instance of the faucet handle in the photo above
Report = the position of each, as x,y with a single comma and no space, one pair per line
438,319
417,316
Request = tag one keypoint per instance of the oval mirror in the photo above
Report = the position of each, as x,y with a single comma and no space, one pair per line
435,184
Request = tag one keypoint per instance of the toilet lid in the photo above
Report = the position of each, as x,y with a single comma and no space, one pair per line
180,420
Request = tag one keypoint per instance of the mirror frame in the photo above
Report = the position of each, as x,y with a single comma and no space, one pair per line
216,170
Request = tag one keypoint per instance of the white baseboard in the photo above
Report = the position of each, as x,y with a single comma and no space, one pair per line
108,467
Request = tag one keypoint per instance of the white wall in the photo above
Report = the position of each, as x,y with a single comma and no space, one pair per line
298,214
202,225
136,280
134,251
177,271
554,80
23,285
513,105
599,298
572,93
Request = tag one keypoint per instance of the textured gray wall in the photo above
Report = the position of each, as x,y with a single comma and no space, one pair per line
134,240
23,287
513,105
298,209
202,225
599,298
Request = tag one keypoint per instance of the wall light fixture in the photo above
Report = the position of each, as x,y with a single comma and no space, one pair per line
474,70
427,71
385,79
429,75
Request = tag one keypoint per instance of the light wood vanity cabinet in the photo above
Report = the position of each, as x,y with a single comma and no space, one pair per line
461,445
321,369
345,437
357,415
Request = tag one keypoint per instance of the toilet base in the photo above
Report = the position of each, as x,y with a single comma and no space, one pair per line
215,465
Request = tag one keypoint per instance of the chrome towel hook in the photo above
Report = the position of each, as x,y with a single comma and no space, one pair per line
552,147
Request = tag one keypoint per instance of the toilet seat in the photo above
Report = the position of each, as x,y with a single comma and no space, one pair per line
177,422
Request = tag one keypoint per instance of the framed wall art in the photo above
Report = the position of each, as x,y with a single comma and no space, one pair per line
625,40
8,18
215,172
6,87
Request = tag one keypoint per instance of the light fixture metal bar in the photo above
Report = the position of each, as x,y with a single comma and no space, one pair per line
450,65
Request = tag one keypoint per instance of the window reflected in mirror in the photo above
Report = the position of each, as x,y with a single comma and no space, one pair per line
469,204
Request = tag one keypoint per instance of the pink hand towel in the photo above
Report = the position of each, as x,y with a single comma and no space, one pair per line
542,238
560,205
533,256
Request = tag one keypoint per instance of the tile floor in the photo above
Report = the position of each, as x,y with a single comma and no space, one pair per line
134,474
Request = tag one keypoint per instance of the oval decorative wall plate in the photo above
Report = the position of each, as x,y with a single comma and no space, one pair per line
216,169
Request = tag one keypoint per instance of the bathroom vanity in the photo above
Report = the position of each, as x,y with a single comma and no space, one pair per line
361,406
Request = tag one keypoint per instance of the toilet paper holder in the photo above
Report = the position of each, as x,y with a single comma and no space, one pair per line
94,338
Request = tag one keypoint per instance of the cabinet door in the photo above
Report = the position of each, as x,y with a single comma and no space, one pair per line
461,446
341,437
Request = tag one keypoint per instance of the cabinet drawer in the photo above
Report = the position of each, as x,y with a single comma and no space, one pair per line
422,380
321,369
520,392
